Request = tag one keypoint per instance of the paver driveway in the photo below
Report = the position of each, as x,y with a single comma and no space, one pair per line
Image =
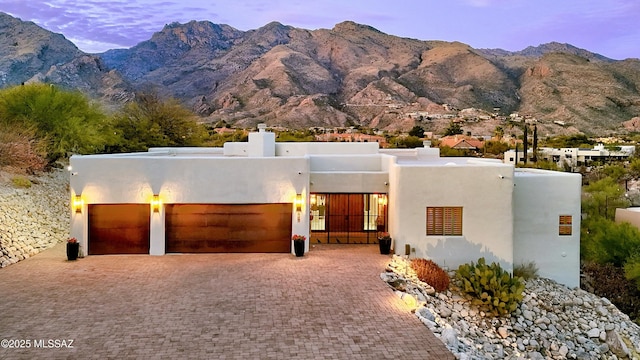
329,304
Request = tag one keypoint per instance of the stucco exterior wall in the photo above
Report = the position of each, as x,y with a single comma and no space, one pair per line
116,179
484,192
630,215
540,197
509,216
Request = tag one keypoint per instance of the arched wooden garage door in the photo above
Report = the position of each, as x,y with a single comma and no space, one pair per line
210,228
118,229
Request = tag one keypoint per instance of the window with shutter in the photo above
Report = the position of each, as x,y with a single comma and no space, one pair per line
565,225
444,221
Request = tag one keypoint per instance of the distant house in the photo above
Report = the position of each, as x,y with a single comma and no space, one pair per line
574,157
352,137
462,142
253,196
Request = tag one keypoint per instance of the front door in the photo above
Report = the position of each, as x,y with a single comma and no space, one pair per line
347,218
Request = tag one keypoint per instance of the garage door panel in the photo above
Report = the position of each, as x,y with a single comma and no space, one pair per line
118,229
228,227
182,233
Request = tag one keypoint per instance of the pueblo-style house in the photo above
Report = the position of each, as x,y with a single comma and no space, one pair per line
254,196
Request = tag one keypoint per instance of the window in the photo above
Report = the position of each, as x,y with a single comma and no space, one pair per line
444,221
565,225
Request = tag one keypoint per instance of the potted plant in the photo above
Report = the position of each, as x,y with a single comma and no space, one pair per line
384,240
298,244
73,246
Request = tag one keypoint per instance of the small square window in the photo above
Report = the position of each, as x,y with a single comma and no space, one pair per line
565,225
444,221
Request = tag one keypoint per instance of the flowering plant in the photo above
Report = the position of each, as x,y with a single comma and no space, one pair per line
298,237
384,235
72,240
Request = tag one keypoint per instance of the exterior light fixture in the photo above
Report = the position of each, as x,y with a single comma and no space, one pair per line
78,203
298,203
155,203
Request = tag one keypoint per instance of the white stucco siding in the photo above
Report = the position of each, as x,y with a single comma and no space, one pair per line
327,148
105,179
349,182
484,193
346,163
181,179
540,197
630,215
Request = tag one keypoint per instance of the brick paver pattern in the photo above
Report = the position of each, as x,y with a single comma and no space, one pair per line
329,304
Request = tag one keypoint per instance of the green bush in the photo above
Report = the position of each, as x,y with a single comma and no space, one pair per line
66,122
491,286
605,241
430,273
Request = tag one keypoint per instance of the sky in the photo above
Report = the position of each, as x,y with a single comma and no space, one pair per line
607,27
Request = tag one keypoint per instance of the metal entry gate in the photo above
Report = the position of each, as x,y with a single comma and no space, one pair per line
347,218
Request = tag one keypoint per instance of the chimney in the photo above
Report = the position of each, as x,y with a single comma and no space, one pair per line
262,143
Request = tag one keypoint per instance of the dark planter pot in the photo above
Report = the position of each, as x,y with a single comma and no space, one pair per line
298,247
385,245
72,251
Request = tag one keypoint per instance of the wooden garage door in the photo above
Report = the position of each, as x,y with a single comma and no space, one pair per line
228,227
118,229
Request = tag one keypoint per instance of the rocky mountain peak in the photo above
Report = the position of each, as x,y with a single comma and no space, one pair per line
351,74
351,27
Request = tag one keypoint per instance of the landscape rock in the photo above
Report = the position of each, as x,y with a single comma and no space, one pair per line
35,218
552,322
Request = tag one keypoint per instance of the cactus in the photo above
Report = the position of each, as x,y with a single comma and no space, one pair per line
491,286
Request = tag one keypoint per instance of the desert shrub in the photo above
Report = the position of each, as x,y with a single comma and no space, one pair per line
430,273
609,281
20,149
605,241
526,270
66,122
21,182
491,286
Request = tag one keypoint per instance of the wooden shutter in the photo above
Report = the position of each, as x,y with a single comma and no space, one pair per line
453,221
435,219
444,221
565,225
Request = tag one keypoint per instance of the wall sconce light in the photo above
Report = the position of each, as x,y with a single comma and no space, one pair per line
298,204
155,203
78,203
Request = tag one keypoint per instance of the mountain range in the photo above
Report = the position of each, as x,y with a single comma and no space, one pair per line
350,75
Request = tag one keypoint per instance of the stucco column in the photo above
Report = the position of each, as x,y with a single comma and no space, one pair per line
79,229
157,232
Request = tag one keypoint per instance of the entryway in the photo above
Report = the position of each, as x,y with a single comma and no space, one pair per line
347,218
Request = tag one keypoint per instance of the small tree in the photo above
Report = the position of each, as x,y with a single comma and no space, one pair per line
417,131
149,121
453,129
